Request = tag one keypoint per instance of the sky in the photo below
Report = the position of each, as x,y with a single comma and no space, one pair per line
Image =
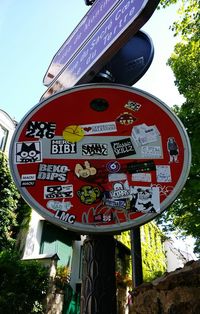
31,32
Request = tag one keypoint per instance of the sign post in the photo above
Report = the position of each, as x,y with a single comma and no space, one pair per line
114,28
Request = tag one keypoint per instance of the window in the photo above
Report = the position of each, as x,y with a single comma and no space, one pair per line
3,137
57,240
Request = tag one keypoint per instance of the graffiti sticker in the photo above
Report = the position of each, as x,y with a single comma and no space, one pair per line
95,149
40,129
52,172
123,148
58,191
28,152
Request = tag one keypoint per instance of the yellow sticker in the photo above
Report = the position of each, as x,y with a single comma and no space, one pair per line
73,133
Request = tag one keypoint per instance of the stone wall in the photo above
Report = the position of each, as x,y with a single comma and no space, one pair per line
177,292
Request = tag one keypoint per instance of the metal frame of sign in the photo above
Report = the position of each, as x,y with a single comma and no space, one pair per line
100,136
122,22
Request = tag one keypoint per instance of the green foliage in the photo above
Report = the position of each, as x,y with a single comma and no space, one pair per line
9,197
184,215
14,212
23,284
62,277
153,254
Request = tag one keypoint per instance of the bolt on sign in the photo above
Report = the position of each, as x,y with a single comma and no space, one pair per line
106,27
100,158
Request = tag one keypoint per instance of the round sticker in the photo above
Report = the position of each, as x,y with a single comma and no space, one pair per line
100,158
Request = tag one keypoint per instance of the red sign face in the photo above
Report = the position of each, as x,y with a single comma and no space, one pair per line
100,158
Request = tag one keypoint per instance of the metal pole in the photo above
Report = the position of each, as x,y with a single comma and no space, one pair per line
98,292
137,276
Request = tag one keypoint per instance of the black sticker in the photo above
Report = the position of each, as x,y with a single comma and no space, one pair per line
136,167
123,148
64,216
28,152
27,183
95,149
40,129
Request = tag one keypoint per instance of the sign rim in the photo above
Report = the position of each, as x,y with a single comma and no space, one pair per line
111,229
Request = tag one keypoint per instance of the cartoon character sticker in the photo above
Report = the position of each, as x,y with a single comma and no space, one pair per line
145,199
84,171
89,194
120,190
126,118
132,105
27,152
172,149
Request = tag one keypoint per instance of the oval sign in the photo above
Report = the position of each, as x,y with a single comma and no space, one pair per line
100,158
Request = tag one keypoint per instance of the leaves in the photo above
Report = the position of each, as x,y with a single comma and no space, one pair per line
14,212
184,215
22,283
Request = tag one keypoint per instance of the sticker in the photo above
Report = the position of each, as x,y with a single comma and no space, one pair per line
89,194
126,118
113,166
84,171
97,128
95,149
73,133
56,205
143,177
163,174
62,215
27,152
103,218
135,167
52,172
151,151
145,199
40,129
123,148
117,177
63,147
134,106
172,149
120,190
58,191
28,179
143,134
119,204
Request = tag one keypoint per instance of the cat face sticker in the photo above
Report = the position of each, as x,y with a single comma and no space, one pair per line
27,152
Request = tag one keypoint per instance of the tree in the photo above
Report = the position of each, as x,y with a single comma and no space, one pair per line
23,284
184,215
14,212
9,197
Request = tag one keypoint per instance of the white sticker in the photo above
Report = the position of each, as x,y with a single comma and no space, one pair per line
144,134
116,177
97,128
151,151
163,173
145,199
142,177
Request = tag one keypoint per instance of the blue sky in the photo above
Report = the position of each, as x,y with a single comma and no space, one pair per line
32,31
